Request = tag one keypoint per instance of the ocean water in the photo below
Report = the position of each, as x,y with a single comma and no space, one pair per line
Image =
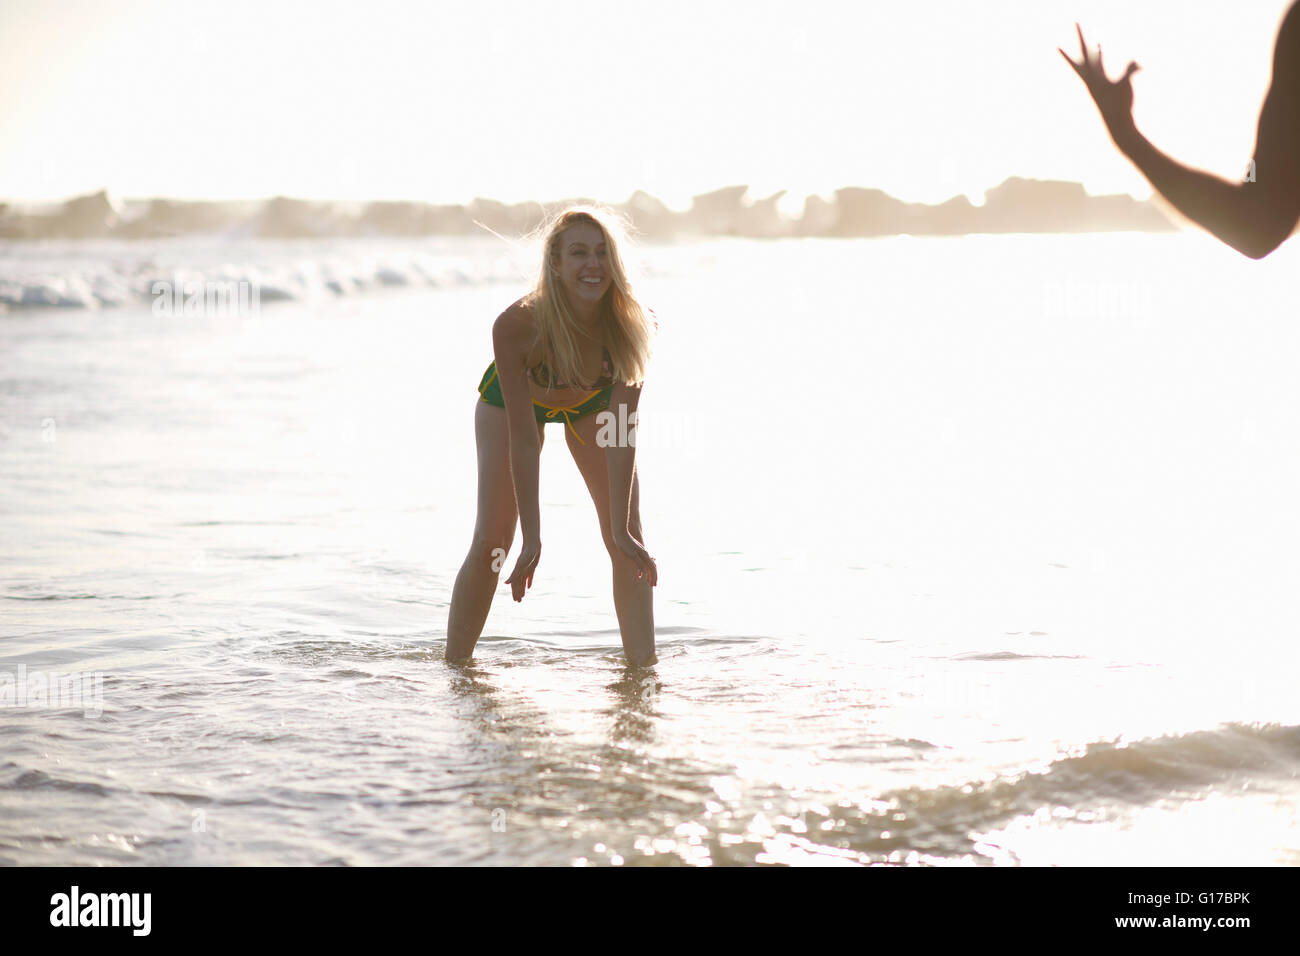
972,551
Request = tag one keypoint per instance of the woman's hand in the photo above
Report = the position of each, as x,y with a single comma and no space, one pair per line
635,550
1114,100
522,577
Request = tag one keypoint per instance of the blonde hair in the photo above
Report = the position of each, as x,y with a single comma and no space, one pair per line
628,327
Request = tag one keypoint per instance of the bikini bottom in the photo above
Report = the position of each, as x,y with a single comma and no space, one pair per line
489,390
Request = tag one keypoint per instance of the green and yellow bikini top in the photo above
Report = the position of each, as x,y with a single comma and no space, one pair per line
542,378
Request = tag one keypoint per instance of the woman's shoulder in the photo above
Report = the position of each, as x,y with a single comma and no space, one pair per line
521,311
518,320
516,329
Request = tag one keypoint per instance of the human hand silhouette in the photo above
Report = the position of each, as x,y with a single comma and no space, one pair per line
1114,99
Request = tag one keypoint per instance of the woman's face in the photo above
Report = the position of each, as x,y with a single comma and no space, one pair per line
583,264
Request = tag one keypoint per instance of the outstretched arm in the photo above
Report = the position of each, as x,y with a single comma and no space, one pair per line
1253,217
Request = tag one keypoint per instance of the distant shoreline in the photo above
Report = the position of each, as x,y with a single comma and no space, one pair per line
1016,205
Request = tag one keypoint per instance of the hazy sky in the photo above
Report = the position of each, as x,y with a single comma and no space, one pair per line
545,100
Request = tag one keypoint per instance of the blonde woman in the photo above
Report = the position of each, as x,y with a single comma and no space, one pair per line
576,346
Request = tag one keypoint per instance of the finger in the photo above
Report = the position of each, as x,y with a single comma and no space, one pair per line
638,559
1074,66
1132,68
645,565
1083,47
1101,65
523,568
651,570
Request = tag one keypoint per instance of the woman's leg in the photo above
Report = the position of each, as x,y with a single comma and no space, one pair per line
494,531
633,599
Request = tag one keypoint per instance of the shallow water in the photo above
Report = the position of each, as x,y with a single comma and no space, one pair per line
967,556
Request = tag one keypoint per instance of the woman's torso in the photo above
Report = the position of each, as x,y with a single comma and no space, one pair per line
597,370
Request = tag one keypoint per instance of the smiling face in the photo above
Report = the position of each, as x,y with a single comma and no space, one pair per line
582,264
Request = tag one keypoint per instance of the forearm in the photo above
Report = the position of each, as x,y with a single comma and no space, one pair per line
621,465
525,458
1240,214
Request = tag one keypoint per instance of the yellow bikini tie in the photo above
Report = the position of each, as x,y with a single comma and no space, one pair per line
566,412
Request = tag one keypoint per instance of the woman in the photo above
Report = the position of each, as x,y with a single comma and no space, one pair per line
1255,216
576,346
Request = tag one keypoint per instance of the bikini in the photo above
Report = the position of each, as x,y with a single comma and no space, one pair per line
489,390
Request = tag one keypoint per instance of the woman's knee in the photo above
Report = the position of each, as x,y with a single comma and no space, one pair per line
622,563
490,547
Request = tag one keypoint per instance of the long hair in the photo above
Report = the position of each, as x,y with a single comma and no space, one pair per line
627,325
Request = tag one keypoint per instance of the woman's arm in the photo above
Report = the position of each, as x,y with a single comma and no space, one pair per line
1253,217
620,458
511,337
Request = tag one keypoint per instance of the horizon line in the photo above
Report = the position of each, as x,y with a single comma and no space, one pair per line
748,196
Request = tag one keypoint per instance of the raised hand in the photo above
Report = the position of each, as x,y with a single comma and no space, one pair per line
1114,100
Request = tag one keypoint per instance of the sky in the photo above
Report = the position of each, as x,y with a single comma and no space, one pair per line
514,100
